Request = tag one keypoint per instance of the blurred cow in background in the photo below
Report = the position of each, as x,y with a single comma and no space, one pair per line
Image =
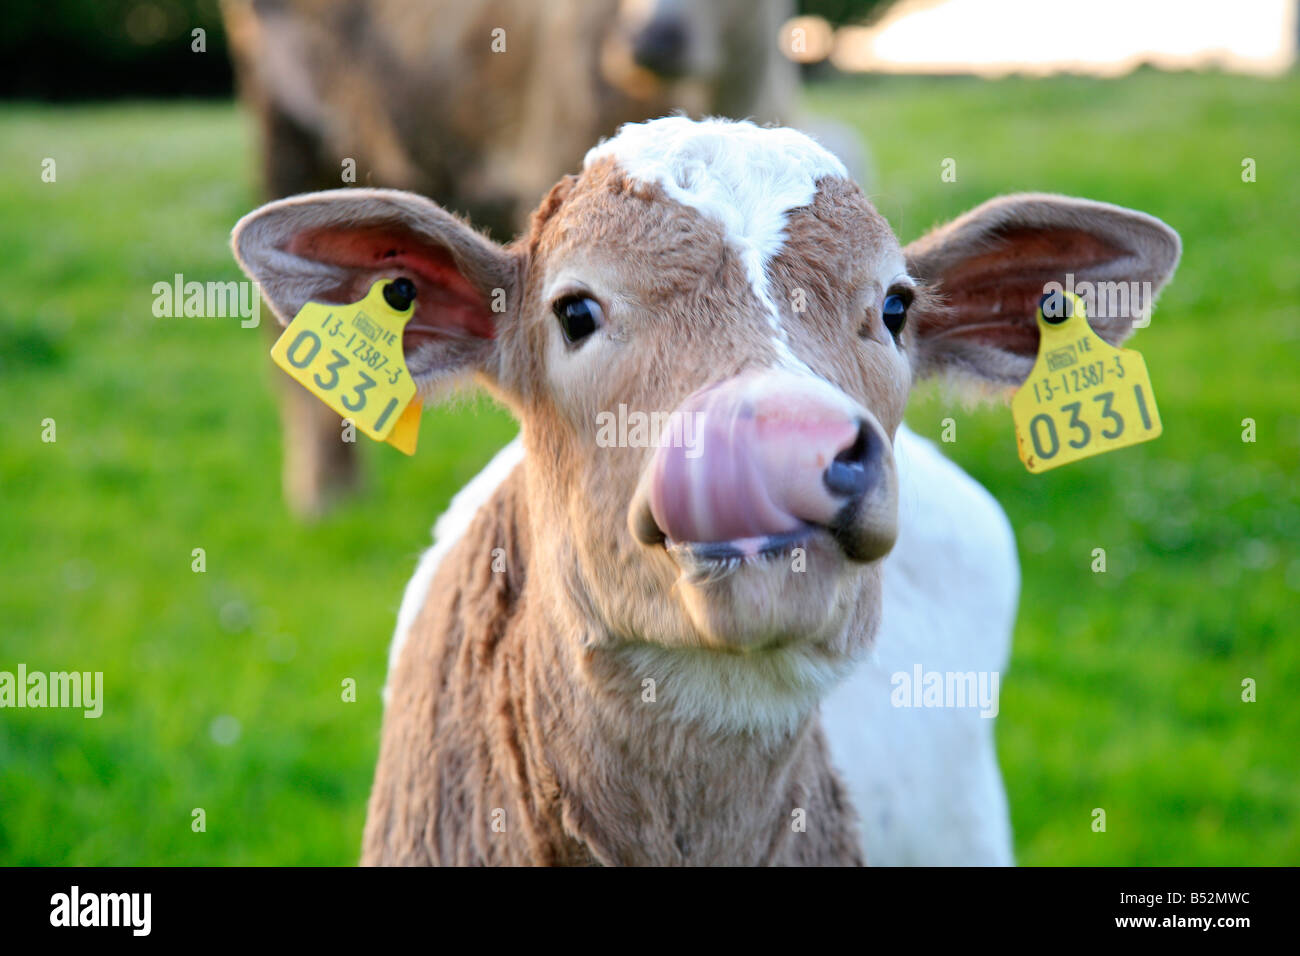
480,106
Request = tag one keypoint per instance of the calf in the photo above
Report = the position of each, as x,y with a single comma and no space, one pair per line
618,655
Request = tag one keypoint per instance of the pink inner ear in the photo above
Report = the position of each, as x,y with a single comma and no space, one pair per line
445,303
993,296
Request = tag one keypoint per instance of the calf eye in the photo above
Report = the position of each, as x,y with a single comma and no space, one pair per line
894,312
579,316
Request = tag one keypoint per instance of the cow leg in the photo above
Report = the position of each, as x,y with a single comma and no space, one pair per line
319,467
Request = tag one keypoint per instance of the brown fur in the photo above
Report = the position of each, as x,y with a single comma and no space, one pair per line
601,776
490,713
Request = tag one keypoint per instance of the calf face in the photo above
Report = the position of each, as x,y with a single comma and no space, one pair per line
733,280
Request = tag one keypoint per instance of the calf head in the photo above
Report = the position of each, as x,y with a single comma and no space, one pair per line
733,280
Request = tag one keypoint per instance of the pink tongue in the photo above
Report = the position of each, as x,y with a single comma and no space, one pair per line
716,481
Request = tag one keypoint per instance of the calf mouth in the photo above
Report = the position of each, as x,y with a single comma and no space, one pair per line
714,558
706,561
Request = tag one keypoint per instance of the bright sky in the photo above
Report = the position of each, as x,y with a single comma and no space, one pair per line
1106,37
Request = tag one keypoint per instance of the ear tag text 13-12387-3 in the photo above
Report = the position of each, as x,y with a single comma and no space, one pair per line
1084,396
351,358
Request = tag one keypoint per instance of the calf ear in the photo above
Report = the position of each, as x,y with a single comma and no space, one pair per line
991,266
333,246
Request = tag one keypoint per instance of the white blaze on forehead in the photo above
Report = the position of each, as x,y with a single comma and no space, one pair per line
746,177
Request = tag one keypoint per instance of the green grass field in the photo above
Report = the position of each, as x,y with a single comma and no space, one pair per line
223,688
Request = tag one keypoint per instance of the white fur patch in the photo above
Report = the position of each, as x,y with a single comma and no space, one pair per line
447,530
745,177
926,782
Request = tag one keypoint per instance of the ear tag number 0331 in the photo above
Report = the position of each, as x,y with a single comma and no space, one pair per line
1084,396
350,357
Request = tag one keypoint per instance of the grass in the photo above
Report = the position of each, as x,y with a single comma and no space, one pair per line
224,688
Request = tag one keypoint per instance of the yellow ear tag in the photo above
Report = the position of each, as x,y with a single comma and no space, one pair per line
350,357
1084,396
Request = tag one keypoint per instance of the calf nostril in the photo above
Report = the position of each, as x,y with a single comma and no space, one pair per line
661,46
850,473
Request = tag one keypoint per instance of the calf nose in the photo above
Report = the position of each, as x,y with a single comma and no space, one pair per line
660,46
854,468
772,453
